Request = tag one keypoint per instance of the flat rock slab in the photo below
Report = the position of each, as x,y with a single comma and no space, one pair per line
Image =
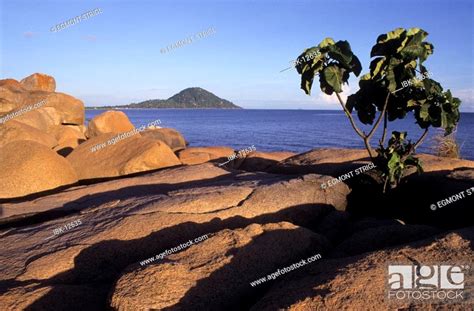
216,274
360,282
339,161
83,248
125,221
89,196
322,161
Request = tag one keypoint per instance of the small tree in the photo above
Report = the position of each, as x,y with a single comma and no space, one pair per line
391,87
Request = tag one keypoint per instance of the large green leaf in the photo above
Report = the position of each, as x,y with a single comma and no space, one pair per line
394,34
366,114
428,50
424,112
342,52
391,80
334,62
414,31
451,109
377,67
393,166
310,59
307,81
432,87
325,86
411,65
389,43
438,110
393,72
366,109
355,65
333,77
351,102
414,48
326,42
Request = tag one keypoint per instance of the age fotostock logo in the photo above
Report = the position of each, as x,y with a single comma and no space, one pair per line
431,282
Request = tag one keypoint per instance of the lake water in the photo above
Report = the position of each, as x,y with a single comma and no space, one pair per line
281,130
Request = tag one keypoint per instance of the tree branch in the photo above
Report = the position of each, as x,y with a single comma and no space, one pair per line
369,148
382,140
382,114
420,140
348,114
358,131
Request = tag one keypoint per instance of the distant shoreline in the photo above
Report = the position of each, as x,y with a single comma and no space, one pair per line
129,108
190,98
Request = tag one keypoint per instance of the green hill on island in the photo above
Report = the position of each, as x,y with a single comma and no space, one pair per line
193,97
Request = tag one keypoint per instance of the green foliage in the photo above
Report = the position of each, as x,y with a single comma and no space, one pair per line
398,54
395,158
393,87
441,110
333,63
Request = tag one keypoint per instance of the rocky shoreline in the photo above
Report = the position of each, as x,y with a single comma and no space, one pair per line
149,192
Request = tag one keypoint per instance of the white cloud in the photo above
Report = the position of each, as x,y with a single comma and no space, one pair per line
467,98
331,100
466,95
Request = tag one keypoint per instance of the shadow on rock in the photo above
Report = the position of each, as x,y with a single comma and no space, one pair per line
101,264
97,199
416,200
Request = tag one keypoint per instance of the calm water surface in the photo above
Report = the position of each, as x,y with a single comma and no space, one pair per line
280,130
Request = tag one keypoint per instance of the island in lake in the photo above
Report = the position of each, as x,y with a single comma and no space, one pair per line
190,98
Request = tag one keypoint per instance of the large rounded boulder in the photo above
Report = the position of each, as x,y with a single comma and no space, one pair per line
39,82
12,93
13,130
68,137
112,155
28,167
70,109
15,96
169,136
42,119
109,122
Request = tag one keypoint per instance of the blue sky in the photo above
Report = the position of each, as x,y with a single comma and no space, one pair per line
114,57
